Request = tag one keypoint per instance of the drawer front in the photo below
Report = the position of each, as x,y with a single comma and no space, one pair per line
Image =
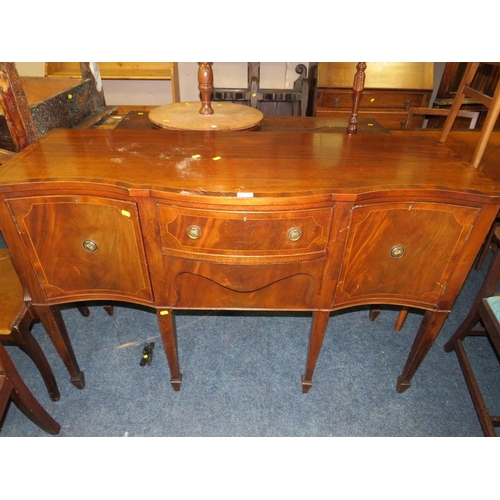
214,285
342,99
405,252
391,120
82,246
213,235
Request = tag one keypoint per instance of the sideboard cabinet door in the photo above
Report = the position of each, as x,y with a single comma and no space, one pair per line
402,253
84,246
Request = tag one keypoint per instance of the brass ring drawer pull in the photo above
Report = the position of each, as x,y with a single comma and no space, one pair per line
397,251
294,234
194,232
90,246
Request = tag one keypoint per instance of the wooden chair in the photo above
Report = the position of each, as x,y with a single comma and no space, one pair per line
12,387
465,89
274,102
16,319
483,319
491,102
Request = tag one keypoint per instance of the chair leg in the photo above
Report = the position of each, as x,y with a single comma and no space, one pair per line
486,246
474,391
52,320
487,128
469,74
22,396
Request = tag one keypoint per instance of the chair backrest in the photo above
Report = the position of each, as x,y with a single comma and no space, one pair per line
465,89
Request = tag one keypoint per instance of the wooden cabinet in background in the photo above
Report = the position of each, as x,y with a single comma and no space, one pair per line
390,90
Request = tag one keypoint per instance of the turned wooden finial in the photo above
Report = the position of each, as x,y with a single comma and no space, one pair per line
206,86
357,89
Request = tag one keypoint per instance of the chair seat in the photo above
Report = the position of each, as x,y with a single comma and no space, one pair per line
497,232
12,305
494,303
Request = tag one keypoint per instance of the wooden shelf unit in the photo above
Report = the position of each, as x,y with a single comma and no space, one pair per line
116,70
122,71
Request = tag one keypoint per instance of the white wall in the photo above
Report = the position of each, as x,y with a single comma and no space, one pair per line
137,92
30,68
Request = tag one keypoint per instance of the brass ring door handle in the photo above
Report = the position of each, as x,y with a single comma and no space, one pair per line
90,246
294,234
397,251
194,232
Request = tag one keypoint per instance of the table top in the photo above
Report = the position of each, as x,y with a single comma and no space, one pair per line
186,116
250,164
463,142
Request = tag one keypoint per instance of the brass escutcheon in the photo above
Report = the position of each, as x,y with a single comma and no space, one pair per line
294,234
397,251
90,246
194,232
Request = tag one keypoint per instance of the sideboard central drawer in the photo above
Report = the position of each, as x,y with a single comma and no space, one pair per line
236,234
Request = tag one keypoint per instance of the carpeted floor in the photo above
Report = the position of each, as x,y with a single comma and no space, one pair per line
241,377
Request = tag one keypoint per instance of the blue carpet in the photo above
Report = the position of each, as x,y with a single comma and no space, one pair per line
241,377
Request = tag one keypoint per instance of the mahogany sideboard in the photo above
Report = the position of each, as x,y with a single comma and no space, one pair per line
244,220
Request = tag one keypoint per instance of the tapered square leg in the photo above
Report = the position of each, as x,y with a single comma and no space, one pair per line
52,320
166,322
427,333
318,328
